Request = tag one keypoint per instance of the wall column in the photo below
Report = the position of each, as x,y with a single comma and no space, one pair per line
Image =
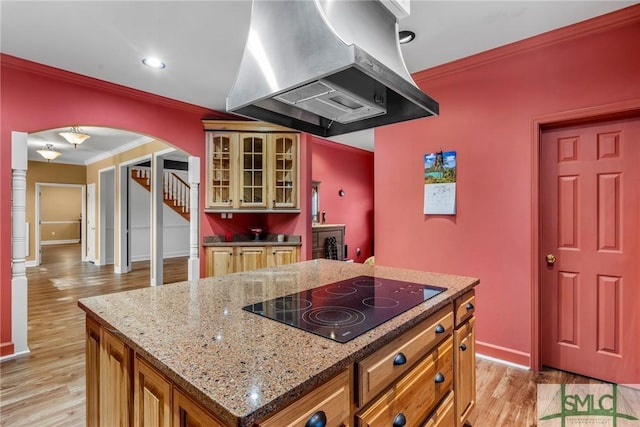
157,221
194,222
18,243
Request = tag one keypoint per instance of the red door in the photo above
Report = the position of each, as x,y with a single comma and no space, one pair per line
590,210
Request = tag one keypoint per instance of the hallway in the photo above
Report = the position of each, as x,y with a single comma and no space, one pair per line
47,386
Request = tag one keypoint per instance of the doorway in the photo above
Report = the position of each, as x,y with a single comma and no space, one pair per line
589,280
59,213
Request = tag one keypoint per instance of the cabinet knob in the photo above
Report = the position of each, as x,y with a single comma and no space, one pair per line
439,378
318,419
463,347
439,329
400,359
469,306
400,420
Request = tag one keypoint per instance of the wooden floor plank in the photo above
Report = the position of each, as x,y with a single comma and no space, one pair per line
46,388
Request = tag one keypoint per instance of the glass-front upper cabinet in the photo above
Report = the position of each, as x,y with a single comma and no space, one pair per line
251,170
285,160
252,182
220,180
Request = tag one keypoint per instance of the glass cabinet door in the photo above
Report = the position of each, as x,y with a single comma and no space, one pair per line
220,178
285,171
252,185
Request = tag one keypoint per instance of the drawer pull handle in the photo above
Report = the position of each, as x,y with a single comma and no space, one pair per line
469,306
318,419
463,347
439,329
400,359
400,420
439,378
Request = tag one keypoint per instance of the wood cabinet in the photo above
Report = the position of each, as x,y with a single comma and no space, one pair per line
281,255
93,371
151,396
251,167
464,358
330,401
249,258
115,381
319,236
187,413
123,389
222,260
219,260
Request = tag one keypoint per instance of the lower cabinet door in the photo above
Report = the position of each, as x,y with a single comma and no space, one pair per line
187,413
443,415
328,405
151,396
251,258
412,398
465,368
115,381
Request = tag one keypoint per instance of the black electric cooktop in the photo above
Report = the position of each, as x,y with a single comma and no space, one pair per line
343,310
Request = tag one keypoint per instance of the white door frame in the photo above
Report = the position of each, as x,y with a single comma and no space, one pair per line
122,262
102,213
83,223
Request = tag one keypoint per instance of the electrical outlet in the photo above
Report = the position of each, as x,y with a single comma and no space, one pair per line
223,215
229,215
358,251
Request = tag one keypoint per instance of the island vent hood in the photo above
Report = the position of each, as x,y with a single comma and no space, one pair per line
325,67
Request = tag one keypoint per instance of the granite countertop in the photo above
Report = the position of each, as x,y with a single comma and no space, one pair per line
240,365
245,240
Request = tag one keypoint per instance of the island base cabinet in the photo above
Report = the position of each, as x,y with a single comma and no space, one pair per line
115,381
151,396
93,372
410,401
330,402
187,413
464,358
444,415
465,382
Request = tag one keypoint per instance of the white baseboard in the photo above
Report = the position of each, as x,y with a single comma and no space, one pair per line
31,263
14,355
58,242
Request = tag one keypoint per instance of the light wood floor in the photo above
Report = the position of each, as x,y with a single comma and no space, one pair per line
47,386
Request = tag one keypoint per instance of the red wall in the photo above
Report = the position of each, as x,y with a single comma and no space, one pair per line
338,167
487,105
37,97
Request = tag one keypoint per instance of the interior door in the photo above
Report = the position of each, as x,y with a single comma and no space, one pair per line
91,222
590,290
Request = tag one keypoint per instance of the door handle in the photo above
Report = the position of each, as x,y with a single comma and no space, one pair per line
551,259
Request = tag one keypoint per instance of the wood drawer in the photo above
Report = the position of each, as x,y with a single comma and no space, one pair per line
415,395
381,369
443,416
464,307
332,398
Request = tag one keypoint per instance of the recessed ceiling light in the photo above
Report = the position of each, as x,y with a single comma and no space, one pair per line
406,36
153,62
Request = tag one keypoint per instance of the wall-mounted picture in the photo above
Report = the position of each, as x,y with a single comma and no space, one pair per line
440,183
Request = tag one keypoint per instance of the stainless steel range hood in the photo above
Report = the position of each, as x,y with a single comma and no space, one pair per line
325,67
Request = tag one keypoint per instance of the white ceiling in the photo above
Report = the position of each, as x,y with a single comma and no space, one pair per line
202,42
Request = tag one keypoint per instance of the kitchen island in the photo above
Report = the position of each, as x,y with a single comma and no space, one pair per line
188,354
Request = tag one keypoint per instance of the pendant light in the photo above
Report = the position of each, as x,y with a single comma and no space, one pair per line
75,136
49,153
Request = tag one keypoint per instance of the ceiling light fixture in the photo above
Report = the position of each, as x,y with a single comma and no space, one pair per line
153,62
405,37
49,153
75,136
